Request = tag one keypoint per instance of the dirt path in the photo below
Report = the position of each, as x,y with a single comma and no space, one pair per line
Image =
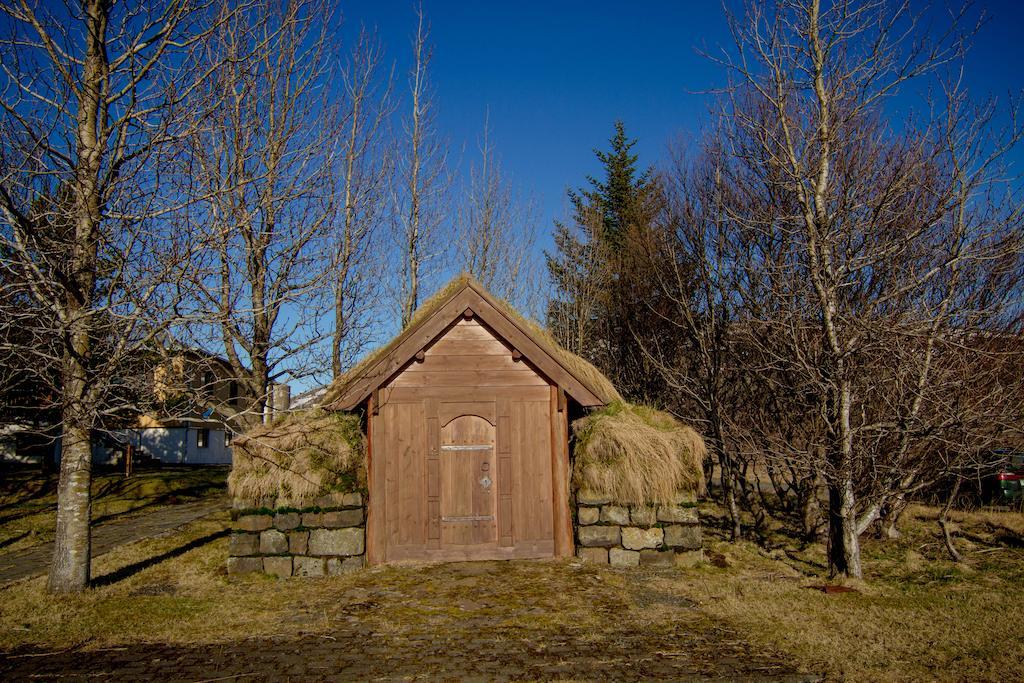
22,564
352,653
480,621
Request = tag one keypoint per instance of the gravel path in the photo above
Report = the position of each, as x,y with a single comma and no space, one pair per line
351,653
23,564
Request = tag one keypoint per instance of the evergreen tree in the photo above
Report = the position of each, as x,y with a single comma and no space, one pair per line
595,297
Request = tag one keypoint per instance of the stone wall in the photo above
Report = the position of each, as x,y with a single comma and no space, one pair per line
628,536
326,538
329,537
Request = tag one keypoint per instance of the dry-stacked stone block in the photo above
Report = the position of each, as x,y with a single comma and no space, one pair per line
633,535
326,538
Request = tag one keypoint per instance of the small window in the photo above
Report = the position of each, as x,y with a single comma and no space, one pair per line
203,438
208,381
227,438
233,391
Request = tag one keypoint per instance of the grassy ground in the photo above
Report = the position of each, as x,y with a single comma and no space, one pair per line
189,598
28,499
917,616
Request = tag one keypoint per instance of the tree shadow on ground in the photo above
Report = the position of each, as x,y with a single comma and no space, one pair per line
24,488
14,539
136,567
192,494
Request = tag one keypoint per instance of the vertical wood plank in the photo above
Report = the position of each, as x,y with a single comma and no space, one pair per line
411,479
506,483
394,425
540,419
433,497
560,474
376,549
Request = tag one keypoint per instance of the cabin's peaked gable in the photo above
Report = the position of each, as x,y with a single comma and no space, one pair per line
472,300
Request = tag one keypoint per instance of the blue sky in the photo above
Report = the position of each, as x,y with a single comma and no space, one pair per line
555,75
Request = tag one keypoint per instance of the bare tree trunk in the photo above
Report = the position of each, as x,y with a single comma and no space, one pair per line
69,571
809,506
365,171
947,535
340,327
843,542
413,236
890,516
729,477
424,180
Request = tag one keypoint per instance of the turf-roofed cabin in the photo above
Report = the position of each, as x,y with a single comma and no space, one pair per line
465,418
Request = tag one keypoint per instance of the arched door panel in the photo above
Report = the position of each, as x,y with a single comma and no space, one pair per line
468,486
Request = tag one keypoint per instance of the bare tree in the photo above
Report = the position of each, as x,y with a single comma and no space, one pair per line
422,180
693,256
496,233
366,162
260,169
583,279
89,106
865,238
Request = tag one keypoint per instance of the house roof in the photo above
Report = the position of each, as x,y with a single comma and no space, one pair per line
581,381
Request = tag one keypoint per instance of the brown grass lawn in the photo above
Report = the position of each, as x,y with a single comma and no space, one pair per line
28,499
916,617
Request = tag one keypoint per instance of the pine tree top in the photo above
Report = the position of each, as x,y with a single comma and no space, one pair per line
615,196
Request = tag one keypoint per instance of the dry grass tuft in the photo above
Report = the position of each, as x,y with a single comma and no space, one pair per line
636,455
303,456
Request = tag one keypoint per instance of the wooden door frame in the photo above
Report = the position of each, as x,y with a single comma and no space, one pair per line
561,518
374,487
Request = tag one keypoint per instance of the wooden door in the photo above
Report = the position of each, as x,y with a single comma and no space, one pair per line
468,486
461,480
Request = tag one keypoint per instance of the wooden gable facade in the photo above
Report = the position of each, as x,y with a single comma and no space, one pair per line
467,419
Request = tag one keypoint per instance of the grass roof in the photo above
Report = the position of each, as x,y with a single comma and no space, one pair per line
298,458
584,371
637,455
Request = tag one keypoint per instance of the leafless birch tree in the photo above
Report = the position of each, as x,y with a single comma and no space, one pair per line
260,167
90,97
422,180
867,236
496,233
365,168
